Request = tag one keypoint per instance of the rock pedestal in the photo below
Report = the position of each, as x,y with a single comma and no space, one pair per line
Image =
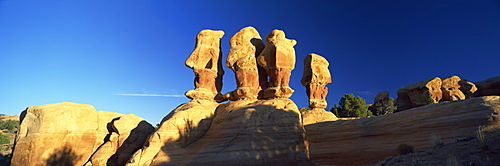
205,60
278,59
246,45
315,77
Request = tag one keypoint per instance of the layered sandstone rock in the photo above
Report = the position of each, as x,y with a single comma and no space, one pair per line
184,125
419,94
242,132
451,89
315,77
64,134
367,140
317,115
467,88
205,60
246,45
278,59
490,86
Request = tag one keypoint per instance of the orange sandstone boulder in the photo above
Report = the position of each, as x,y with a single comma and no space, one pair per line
419,94
451,89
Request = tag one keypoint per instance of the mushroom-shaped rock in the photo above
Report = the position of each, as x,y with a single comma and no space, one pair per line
315,77
246,45
205,60
278,59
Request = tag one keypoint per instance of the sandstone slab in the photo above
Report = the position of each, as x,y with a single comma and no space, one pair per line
490,86
367,140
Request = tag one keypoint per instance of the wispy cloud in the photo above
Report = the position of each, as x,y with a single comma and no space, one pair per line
149,95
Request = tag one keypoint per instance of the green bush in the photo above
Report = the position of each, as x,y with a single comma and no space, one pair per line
383,108
405,149
11,125
4,139
350,106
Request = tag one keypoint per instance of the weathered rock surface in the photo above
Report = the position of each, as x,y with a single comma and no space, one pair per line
184,125
126,135
246,45
366,140
490,86
381,97
278,59
317,115
450,88
418,94
205,60
315,77
243,132
62,134
467,88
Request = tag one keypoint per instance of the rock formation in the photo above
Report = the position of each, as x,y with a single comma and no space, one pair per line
246,45
467,88
278,59
490,86
451,89
205,60
381,97
69,133
367,140
315,77
419,94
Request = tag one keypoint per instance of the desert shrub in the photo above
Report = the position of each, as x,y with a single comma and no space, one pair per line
4,139
350,106
481,136
436,141
383,108
430,100
11,125
405,149
303,110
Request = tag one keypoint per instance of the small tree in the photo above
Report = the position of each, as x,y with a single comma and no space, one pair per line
350,106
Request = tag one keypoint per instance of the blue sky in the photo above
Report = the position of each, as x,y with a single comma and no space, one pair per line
93,52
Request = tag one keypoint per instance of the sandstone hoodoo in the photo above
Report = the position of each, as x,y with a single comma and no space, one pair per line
315,77
70,133
205,60
467,88
278,58
451,89
246,45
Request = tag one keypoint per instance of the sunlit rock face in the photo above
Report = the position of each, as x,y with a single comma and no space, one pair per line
490,86
419,94
246,45
467,88
205,60
70,133
278,59
451,89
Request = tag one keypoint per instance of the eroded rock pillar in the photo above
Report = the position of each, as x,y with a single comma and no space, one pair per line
246,45
451,89
315,77
205,60
278,59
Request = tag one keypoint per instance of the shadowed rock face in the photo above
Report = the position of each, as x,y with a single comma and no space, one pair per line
467,88
451,89
418,94
367,140
205,60
490,86
243,132
69,133
246,45
278,59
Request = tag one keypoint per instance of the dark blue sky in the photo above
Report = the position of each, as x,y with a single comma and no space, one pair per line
93,51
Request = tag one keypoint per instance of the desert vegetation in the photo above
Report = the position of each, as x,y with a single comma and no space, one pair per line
350,106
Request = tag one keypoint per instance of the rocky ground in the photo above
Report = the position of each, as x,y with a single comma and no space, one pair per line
469,152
